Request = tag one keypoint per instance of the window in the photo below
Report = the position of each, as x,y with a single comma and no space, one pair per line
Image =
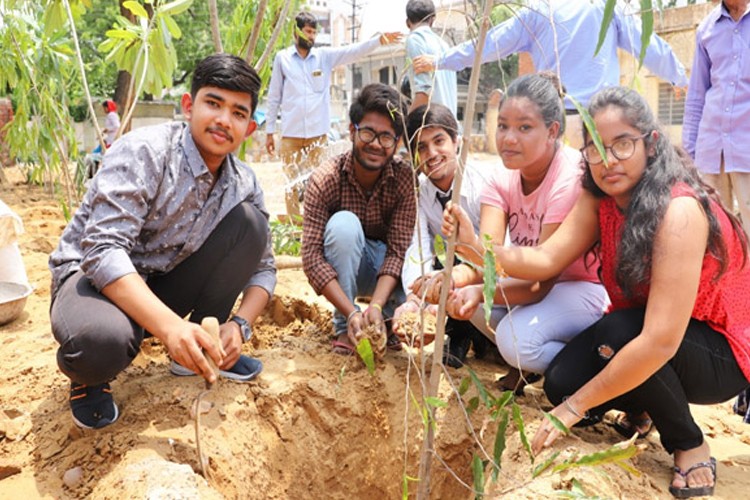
671,109
387,75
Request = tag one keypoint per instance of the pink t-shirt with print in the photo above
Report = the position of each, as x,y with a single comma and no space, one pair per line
549,203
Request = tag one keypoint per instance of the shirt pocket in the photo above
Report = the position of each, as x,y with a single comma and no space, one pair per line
318,81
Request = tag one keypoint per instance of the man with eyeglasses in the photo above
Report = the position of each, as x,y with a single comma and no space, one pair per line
360,211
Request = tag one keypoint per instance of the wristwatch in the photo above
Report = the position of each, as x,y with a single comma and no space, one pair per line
245,329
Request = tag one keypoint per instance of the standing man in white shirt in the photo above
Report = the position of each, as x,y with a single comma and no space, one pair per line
300,86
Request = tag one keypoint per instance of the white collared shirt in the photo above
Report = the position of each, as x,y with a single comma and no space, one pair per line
430,218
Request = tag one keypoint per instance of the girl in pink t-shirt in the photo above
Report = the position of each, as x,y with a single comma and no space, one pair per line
532,320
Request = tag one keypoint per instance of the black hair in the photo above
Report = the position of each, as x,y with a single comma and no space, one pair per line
427,116
306,19
544,90
420,11
382,99
226,71
652,194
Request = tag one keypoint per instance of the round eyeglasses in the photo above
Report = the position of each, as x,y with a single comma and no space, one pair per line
368,135
621,149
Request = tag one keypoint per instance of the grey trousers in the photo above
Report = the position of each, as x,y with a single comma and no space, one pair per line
97,340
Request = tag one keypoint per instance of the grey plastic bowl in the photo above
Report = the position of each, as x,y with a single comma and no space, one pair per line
12,300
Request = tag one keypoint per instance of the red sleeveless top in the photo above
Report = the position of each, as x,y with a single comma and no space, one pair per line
723,304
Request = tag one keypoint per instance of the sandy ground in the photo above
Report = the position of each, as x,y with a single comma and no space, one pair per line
313,425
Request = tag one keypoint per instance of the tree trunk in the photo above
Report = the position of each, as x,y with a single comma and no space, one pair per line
215,34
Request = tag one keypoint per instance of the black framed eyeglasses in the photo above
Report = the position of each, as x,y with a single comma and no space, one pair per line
368,135
622,149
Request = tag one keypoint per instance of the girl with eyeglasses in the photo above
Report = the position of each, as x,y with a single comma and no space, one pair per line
528,199
675,264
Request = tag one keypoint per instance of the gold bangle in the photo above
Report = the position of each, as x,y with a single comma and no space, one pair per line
377,306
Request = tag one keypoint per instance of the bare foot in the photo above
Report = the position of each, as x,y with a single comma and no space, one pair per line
698,477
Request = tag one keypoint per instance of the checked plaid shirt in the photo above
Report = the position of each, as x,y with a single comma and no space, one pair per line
388,214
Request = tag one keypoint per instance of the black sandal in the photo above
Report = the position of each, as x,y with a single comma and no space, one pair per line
522,380
696,491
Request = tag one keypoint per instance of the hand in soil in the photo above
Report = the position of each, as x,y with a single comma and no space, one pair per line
415,334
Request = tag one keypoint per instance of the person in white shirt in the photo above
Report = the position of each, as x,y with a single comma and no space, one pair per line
300,88
432,132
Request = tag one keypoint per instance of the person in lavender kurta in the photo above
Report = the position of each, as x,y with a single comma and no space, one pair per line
717,108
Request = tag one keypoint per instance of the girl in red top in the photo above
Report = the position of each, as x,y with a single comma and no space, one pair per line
675,264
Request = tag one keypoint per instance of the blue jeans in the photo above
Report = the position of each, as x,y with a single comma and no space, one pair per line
357,261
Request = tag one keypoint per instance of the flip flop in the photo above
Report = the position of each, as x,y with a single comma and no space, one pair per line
627,424
696,491
342,348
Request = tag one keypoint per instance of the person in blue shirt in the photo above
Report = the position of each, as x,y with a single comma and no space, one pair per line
439,87
561,36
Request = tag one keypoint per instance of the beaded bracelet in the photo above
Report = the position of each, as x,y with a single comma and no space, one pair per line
572,410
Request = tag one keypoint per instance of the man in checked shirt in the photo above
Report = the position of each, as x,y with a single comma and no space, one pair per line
360,211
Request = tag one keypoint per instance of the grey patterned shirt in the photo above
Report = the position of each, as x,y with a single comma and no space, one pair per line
151,206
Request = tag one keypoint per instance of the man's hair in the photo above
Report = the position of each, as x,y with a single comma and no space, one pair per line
382,99
306,19
420,11
229,72
430,116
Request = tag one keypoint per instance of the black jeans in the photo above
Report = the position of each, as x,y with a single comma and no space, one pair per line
97,340
703,371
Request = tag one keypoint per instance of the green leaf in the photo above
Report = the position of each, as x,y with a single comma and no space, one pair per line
464,386
172,26
609,12
615,453
502,426
647,28
477,469
557,423
473,405
518,420
439,248
136,8
480,387
588,122
175,7
435,402
364,349
489,277
504,398
544,465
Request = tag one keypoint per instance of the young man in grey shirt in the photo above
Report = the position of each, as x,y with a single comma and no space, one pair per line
172,225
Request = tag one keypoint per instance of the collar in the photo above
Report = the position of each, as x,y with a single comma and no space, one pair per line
722,11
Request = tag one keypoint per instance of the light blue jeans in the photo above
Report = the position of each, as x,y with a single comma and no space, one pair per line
357,261
530,336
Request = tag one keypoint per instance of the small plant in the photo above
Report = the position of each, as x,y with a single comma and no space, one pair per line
287,236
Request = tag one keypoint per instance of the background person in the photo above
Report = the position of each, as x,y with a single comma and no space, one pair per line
717,106
439,87
300,88
561,36
172,225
